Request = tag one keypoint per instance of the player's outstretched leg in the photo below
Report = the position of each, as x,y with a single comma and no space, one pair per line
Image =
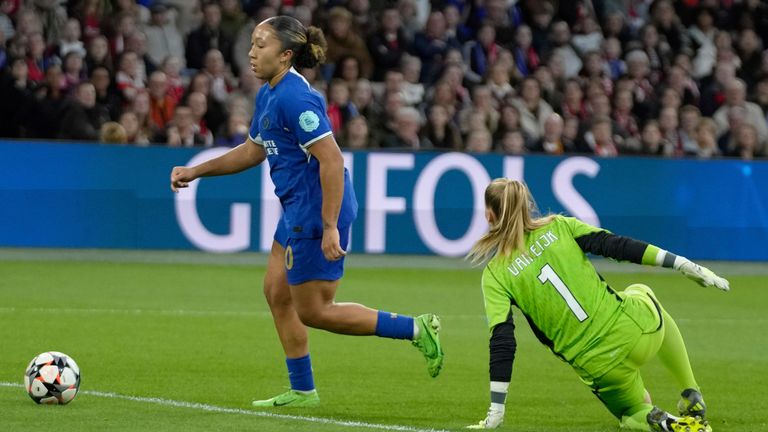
427,340
662,421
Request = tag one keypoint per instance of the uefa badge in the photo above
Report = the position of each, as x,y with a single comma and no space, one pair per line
309,121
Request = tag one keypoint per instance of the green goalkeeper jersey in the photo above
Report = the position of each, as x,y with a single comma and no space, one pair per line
569,307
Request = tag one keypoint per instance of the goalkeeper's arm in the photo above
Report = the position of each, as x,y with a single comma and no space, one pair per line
609,245
502,348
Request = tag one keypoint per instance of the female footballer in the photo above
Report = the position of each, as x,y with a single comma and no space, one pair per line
291,130
540,266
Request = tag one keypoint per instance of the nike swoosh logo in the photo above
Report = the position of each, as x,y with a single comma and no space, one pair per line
276,403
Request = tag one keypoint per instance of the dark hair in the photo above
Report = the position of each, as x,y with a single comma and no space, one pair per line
308,44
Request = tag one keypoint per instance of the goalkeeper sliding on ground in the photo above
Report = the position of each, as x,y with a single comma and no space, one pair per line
540,266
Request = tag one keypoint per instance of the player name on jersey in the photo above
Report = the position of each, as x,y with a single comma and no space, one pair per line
536,249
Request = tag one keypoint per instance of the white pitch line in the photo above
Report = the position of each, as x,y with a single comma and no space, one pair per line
224,410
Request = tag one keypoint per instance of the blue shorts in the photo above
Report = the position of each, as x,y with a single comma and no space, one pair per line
304,260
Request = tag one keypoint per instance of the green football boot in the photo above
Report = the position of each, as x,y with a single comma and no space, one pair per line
291,399
428,342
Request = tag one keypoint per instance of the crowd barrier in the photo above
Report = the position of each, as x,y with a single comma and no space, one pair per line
69,195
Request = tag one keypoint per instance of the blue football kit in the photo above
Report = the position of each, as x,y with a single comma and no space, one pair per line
289,118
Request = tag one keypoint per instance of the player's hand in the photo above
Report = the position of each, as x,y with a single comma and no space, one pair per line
332,245
492,421
703,276
180,177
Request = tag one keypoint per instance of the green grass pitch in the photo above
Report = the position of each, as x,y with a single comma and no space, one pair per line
153,340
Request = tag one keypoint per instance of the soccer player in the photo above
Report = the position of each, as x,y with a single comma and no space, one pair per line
291,130
540,266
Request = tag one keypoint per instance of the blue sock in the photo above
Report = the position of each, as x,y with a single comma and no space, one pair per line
300,373
391,325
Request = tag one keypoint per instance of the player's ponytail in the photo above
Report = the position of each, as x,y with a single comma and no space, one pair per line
513,210
313,52
307,44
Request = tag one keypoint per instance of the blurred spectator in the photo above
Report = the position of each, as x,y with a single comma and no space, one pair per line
388,44
413,15
134,133
98,54
573,105
248,88
232,18
70,39
82,118
713,88
479,141
761,95
137,43
343,41
652,143
340,107
347,69
750,50
690,117
509,121
107,95
113,133
526,58
73,69
679,80
668,25
38,61
736,96
124,28
6,25
163,37
140,107
513,143
208,36
440,132
552,141
92,15
432,44
599,140
482,53
235,132
182,132
482,102
161,104
561,45
52,16
405,132
669,123
533,110
28,22
15,86
498,82
589,37
137,10
413,90
702,36
615,66
128,77
747,144
222,81
215,114
198,105
171,67
355,135
706,138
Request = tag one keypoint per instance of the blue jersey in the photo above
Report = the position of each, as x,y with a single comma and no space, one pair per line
289,118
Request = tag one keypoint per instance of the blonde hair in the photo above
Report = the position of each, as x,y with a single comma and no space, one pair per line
513,210
113,133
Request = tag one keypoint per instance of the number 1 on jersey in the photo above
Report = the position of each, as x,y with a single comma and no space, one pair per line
548,275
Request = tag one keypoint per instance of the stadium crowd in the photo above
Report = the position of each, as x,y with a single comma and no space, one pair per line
683,78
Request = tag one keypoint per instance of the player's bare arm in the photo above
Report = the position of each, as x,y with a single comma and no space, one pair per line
331,162
246,155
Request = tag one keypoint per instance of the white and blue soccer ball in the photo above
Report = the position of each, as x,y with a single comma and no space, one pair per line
52,378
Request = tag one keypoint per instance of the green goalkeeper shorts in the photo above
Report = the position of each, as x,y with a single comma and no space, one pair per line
622,389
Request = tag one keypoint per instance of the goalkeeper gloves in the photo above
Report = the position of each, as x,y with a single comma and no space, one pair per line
700,274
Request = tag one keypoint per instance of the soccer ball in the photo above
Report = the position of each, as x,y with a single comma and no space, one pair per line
52,378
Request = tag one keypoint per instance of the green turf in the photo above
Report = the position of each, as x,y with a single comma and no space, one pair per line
202,334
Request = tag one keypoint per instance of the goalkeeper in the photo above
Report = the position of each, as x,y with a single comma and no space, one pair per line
540,266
